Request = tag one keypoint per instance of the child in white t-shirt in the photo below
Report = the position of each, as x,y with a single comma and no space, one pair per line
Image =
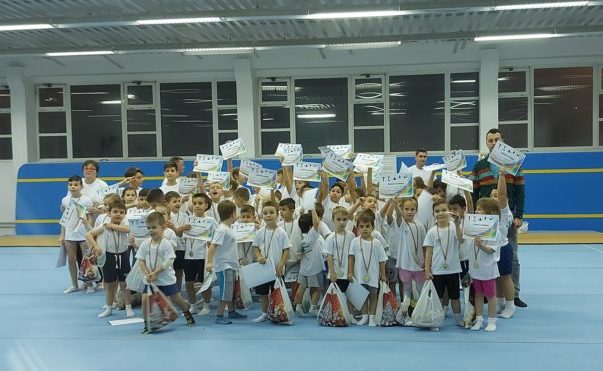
176,222
366,264
72,238
156,257
222,258
291,226
245,249
170,172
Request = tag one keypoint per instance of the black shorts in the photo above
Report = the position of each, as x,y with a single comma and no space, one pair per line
450,282
179,261
505,263
116,267
264,289
194,270
342,284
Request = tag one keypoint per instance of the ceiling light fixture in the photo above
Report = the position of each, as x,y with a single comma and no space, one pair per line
80,53
214,51
316,115
367,45
25,27
463,81
562,4
367,14
517,37
143,22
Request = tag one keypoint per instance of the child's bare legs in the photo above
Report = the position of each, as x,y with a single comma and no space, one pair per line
299,298
364,311
206,300
314,295
392,287
478,303
179,275
372,303
71,248
177,299
191,293
127,299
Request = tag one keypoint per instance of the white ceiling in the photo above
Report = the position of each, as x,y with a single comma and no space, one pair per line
103,24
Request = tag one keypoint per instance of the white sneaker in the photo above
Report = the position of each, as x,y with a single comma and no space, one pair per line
261,318
478,325
70,290
130,312
363,320
90,290
491,325
194,309
81,285
353,320
106,313
372,321
507,313
299,312
205,311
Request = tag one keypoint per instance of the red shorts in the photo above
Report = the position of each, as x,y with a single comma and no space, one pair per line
487,288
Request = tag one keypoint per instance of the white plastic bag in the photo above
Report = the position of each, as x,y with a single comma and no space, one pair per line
428,312
333,310
135,279
280,310
387,307
243,299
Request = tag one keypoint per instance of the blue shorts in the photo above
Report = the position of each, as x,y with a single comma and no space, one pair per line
168,290
505,264
226,280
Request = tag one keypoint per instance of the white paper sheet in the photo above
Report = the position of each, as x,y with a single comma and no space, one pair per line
246,166
186,186
208,163
337,166
245,232
307,171
364,161
265,178
127,321
291,153
356,294
309,199
455,160
342,150
458,181
481,225
222,177
506,156
233,148
201,228
396,186
256,274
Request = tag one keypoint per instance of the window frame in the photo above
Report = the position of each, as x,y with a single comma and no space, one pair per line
283,104
529,94
65,108
353,101
10,136
125,107
216,107
449,125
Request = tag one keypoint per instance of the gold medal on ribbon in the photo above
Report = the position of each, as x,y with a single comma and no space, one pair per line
366,277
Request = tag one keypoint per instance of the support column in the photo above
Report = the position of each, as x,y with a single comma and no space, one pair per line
246,103
488,94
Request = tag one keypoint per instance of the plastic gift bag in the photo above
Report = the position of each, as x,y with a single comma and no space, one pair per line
88,270
160,311
135,279
387,307
242,295
280,310
428,312
333,310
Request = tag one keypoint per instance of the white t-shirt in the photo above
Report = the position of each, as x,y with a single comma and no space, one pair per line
441,265
410,251
91,190
165,188
506,220
329,205
179,219
367,256
338,246
465,248
226,255
154,254
391,233
212,211
487,267
171,237
295,237
102,220
195,248
312,261
425,210
422,173
324,229
79,233
271,243
112,241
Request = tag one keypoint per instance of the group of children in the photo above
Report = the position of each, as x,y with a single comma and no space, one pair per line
348,235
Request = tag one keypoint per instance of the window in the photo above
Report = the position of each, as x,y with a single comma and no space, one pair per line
563,107
96,121
6,145
52,122
226,110
369,114
513,107
601,110
141,118
464,111
416,112
275,114
186,119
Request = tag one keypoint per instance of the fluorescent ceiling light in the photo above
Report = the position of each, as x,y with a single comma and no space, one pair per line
463,81
563,4
368,45
368,14
71,54
23,27
316,115
212,51
517,37
142,22
111,102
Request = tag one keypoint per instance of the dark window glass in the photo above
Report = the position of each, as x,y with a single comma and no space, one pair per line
96,121
368,114
6,149
464,111
275,117
50,97
227,93
416,112
139,95
601,106
513,109
141,120
5,127
225,137
516,135
270,141
52,122
464,85
464,137
274,91
369,140
142,145
321,112
563,106
227,119
53,147
186,119
601,134
512,82
368,88
4,98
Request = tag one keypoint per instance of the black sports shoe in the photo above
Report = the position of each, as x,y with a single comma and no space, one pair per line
145,331
190,321
519,303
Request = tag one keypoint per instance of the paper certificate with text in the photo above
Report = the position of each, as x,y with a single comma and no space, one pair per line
396,186
233,148
208,164
506,156
337,166
455,160
307,171
481,225
458,181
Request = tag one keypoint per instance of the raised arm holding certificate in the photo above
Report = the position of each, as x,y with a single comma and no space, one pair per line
307,171
247,165
208,164
396,186
343,150
364,161
291,153
481,225
233,148
265,178
506,156
455,160
458,181
114,188
337,166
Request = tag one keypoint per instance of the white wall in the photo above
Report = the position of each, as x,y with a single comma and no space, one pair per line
424,57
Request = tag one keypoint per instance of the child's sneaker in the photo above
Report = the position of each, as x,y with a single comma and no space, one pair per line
205,311
194,309
90,289
363,320
145,331
299,311
261,318
106,313
479,321
220,320
491,325
313,311
371,322
236,315
509,310
70,290
129,311
190,320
